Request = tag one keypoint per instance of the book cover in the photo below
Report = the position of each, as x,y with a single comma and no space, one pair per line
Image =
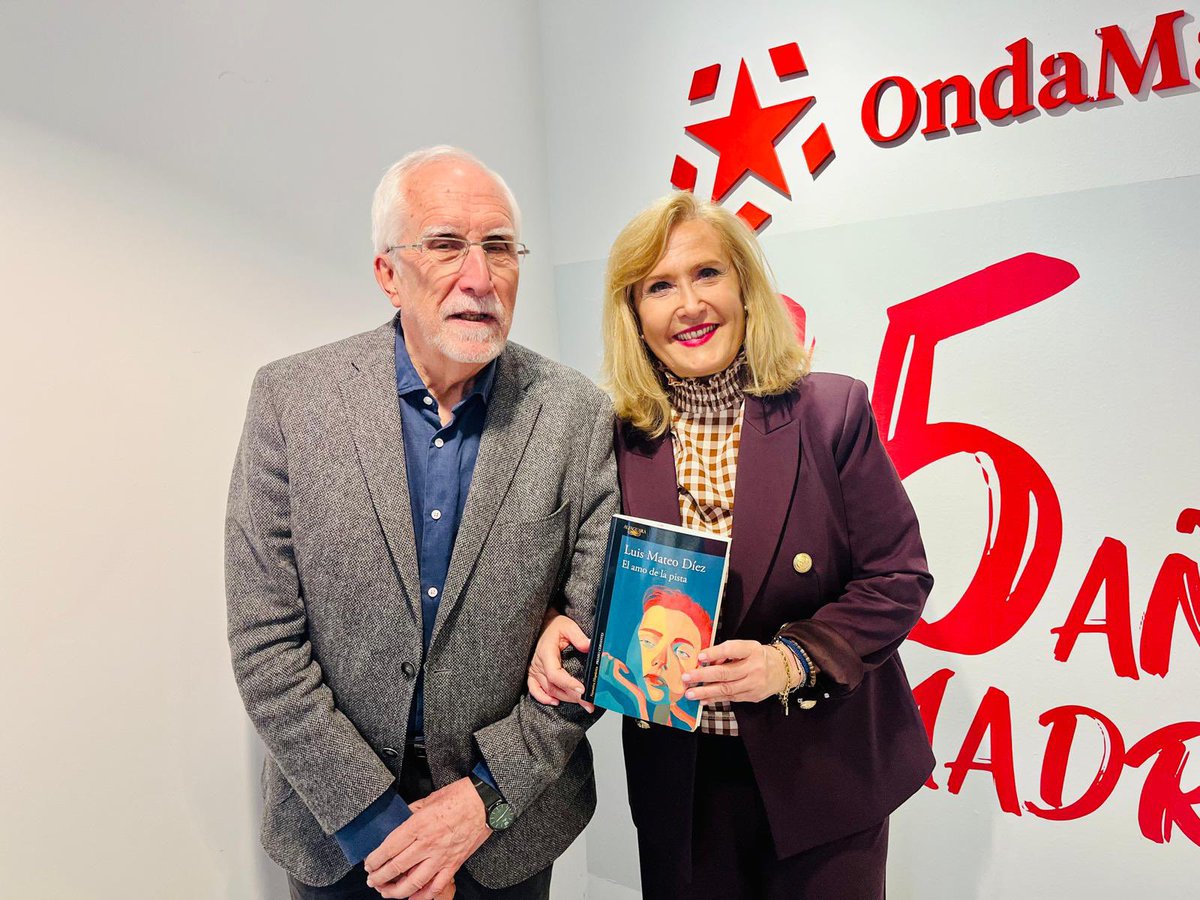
657,608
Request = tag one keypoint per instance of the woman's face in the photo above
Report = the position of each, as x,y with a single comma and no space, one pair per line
670,642
690,305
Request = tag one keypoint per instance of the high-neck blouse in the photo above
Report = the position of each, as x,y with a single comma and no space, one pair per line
706,429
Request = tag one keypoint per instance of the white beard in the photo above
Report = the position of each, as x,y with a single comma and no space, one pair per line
465,344
474,349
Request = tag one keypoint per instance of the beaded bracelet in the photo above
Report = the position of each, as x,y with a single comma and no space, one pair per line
812,667
802,657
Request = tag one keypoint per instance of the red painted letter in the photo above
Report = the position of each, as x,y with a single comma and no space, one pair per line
935,100
911,106
1110,570
1114,48
1003,593
1072,79
1063,721
929,695
994,717
1177,587
1018,72
1164,801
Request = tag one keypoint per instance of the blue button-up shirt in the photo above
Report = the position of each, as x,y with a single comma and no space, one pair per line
439,462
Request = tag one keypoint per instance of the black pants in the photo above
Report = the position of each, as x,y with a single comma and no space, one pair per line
416,782
354,887
733,855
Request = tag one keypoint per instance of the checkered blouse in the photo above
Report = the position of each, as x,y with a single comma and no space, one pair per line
706,429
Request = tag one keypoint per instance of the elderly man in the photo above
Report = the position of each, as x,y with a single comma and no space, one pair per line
405,506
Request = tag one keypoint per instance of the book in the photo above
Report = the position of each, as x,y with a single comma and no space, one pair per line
656,609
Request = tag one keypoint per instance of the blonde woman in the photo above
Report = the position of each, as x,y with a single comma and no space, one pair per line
810,737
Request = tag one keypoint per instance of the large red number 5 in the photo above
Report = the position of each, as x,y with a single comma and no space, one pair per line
1011,579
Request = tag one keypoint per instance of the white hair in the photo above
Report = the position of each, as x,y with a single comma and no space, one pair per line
387,209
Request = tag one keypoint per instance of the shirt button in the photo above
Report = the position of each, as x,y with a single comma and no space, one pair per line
432,592
428,401
438,442
436,514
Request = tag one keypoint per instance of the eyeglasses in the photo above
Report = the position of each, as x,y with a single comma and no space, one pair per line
499,254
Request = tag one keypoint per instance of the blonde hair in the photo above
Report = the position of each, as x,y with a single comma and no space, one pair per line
775,359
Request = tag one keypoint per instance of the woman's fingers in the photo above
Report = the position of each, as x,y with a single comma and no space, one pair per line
712,674
562,684
545,691
721,690
548,681
716,682
538,692
573,634
538,680
728,650
738,671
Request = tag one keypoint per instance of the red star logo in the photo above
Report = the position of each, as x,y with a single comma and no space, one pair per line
745,139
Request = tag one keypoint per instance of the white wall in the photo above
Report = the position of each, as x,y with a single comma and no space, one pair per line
186,193
1096,383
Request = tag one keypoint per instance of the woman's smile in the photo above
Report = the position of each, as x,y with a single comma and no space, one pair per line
694,337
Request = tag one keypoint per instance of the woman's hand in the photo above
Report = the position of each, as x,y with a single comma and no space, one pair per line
548,681
741,671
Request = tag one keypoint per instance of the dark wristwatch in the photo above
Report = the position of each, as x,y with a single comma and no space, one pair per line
496,809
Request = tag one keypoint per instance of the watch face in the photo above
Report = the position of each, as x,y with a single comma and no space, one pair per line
500,816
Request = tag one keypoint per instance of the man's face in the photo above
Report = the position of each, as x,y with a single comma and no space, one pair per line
670,642
458,312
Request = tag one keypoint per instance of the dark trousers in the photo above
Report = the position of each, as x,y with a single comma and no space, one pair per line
416,782
733,855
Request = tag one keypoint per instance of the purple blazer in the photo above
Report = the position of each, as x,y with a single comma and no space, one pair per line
813,478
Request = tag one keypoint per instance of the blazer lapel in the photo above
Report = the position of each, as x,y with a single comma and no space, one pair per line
647,473
510,420
768,465
373,410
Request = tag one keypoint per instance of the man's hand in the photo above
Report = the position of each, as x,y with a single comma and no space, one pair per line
419,858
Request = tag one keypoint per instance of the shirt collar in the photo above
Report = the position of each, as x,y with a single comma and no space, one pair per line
709,393
408,380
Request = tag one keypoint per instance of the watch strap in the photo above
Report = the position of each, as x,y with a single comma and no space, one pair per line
496,810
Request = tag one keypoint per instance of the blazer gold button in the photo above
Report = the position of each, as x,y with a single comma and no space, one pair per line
642,723
801,562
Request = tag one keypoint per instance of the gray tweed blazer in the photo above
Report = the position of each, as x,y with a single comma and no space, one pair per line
325,613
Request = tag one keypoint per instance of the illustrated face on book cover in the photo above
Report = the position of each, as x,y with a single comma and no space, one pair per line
658,618
671,633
